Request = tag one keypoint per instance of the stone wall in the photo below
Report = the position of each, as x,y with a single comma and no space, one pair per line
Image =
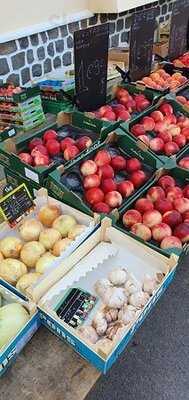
31,57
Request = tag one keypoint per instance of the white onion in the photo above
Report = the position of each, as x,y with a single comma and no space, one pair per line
61,246
30,230
44,262
49,237
31,252
10,247
76,231
13,317
64,223
48,213
11,270
27,280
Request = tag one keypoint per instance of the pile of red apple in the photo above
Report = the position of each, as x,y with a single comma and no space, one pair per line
10,90
102,191
163,131
184,162
40,152
161,80
162,215
182,61
183,100
125,105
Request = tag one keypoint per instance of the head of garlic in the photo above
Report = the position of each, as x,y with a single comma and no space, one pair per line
132,286
99,323
101,285
111,314
104,345
88,334
113,329
127,314
149,284
139,299
114,297
117,276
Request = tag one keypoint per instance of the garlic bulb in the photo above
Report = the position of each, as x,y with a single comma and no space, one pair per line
114,297
99,323
127,314
132,286
88,333
101,285
139,299
149,284
117,277
111,314
113,329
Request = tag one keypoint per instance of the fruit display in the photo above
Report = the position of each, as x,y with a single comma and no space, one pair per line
106,178
9,90
165,130
162,80
184,162
182,61
161,216
36,245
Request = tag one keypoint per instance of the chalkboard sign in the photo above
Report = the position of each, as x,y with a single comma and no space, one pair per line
179,29
141,43
91,60
16,204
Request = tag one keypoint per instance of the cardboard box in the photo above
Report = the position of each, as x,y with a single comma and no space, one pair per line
9,352
106,249
119,54
161,48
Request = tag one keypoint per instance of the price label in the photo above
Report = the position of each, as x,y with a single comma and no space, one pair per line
179,29
91,62
16,204
141,44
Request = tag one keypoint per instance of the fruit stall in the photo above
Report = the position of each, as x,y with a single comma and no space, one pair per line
95,208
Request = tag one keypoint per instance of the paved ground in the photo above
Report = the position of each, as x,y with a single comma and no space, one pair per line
156,364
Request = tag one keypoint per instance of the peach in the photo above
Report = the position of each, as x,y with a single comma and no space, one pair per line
157,116
171,148
163,205
131,217
166,181
137,130
165,136
138,178
113,199
160,231
170,119
94,195
160,126
186,191
126,188
142,231
91,181
142,104
171,242
172,218
174,130
101,208
102,157
83,143
166,109
174,193
185,132
185,216
123,115
182,232
155,193
106,171
180,140
133,164
66,142
104,109
148,124
181,99
88,168
151,218
118,163
70,152
108,185
184,163
157,145
181,205
142,205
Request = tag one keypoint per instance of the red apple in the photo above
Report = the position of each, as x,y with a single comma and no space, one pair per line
181,99
174,193
133,164
94,195
155,193
88,168
118,163
184,163
108,185
123,115
34,142
148,124
157,116
185,132
138,178
123,100
166,181
83,143
142,104
117,108
26,158
126,188
163,205
171,148
68,141
120,92
172,218
91,181
113,199
171,242
185,216
160,231
157,145
181,205
104,109
145,139
49,135
186,191
142,231
182,232
160,126
142,205
170,119
166,109
101,208
151,218
180,140
53,147
39,149
41,160
71,152
165,136
131,217
102,157
138,130
106,171
109,116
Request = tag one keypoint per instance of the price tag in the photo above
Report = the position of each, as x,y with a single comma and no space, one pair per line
141,44
16,204
91,63
179,29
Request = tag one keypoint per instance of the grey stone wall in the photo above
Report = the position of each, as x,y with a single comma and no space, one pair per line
31,57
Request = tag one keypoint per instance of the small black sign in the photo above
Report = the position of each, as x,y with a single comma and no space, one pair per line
91,61
141,43
16,204
179,29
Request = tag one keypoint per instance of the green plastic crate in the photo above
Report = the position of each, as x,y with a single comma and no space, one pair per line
20,97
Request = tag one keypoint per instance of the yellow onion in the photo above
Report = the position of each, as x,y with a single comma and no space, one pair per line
10,247
13,317
31,252
49,237
27,280
48,214
60,246
76,231
44,262
11,270
64,223
30,230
